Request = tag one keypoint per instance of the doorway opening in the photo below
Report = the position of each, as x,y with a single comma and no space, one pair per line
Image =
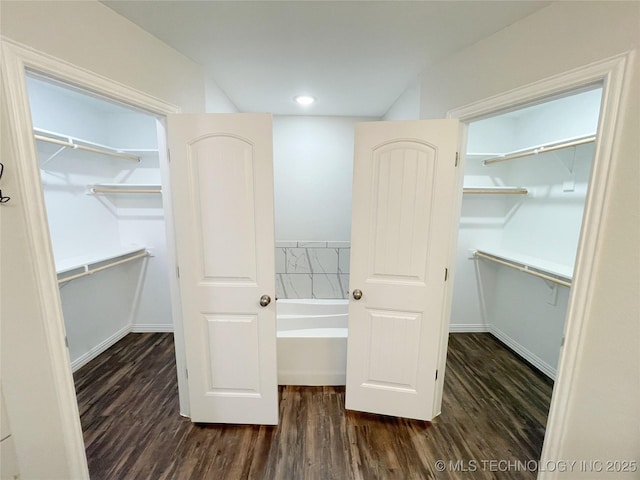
526,182
105,185
101,182
313,174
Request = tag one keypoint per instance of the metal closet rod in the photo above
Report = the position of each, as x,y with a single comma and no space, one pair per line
543,149
496,191
523,268
91,271
125,190
103,151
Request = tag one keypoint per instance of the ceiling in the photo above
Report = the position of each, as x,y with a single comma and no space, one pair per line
355,57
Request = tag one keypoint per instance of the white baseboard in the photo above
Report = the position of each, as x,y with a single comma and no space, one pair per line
98,349
151,328
330,378
529,356
468,327
311,378
113,339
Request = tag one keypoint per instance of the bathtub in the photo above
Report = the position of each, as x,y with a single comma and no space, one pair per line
312,341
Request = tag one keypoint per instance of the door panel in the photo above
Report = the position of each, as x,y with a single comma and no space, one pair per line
222,181
403,226
402,175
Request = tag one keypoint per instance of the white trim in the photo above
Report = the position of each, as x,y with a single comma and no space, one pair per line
295,377
67,73
115,338
514,345
469,328
152,328
524,352
172,259
16,60
445,326
82,360
613,73
38,240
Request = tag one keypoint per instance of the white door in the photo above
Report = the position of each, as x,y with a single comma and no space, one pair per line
222,181
406,193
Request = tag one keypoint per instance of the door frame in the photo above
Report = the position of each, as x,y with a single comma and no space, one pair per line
17,60
612,74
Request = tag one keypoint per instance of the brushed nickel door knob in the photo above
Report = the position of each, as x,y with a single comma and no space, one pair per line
265,300
357,294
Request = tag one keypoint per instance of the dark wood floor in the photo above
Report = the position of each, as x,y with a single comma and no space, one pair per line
494,409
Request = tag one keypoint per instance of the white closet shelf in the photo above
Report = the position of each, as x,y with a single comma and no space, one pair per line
68,141
124,188
539,149
495,190
552,271
88,261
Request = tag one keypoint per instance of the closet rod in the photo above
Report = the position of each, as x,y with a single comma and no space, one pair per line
496,191
103,267
543,149
124,190
103,151
524,269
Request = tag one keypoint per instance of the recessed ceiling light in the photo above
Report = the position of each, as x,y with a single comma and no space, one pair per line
304,100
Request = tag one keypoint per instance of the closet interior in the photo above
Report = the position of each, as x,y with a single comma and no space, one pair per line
101,181
525,184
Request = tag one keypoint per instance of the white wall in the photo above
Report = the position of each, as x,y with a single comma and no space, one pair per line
407,106
9,465
216,101
554,120
560,37
547,221
89,35
313,173
528,314
492,135
572,116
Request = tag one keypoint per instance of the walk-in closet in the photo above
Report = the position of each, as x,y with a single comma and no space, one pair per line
526,179
102,189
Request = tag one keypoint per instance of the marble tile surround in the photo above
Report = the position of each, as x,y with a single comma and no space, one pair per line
312,269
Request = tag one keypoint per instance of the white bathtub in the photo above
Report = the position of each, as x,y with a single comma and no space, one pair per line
312,341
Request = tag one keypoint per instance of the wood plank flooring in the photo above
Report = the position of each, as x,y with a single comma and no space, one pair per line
494,409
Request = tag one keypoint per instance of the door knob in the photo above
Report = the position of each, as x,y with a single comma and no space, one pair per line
265,300
357,294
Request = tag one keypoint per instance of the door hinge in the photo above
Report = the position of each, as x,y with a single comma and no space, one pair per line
168,155
436,374
177,271
457,158
186,373
66,342
446,274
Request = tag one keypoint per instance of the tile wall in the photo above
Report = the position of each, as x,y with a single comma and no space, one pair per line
312,269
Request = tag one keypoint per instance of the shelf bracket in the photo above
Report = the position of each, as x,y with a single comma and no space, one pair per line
52,156
553,292
569,185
